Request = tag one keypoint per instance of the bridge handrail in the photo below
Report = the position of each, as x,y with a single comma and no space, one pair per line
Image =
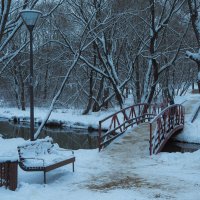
138,112
163,111
124,110
167,122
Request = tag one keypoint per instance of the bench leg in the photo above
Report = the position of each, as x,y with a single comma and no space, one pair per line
73,166
44,177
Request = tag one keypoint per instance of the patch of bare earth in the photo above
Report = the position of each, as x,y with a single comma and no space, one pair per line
120,183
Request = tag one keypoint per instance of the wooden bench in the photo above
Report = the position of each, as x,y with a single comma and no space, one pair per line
43,155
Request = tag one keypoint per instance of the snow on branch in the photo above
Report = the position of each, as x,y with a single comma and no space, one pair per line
193,56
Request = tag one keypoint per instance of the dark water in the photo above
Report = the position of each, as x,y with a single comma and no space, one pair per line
174,146
67,138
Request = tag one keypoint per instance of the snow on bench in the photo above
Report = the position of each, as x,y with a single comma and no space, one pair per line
43,155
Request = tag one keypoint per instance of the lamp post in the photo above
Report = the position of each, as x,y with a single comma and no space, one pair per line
30,18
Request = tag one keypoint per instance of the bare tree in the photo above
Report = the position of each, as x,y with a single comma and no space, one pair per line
194,17
110,60
161,15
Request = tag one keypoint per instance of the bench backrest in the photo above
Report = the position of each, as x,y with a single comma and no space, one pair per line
33,149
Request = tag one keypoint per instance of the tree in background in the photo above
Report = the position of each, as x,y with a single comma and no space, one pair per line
194,18
122,45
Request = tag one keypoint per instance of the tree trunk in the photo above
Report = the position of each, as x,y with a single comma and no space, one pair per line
90,100
22,93
137,82
198,64
45,83
96,106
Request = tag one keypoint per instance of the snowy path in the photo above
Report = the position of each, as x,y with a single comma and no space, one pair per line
190,107
127,165
191,132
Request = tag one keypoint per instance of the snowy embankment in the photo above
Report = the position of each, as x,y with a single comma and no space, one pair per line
191,131
72,118
69,118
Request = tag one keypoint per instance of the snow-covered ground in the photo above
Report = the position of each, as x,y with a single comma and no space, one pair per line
123,171
68,117
191,132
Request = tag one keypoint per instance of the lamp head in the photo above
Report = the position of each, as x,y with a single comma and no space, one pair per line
30,17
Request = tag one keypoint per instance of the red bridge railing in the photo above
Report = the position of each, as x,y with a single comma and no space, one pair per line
164,125
118,123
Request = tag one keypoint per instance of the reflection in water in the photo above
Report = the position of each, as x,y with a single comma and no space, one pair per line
174,146
66,137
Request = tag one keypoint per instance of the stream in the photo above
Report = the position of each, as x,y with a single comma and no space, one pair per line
71,138
68,138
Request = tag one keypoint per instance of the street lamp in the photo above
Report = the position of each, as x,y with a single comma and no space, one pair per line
30,18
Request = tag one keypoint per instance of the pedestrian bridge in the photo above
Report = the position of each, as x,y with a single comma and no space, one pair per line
163,123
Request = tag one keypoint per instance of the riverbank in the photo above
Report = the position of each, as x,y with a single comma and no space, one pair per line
59,117
74,118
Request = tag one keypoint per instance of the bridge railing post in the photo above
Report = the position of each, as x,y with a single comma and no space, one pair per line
150,140
183,115
164,123
159,130
99,139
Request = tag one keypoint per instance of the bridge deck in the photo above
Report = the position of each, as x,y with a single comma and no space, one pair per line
119,160
131,145
163,123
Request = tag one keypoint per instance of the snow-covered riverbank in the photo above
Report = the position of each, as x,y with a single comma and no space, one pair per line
65,117
119,172
75,119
